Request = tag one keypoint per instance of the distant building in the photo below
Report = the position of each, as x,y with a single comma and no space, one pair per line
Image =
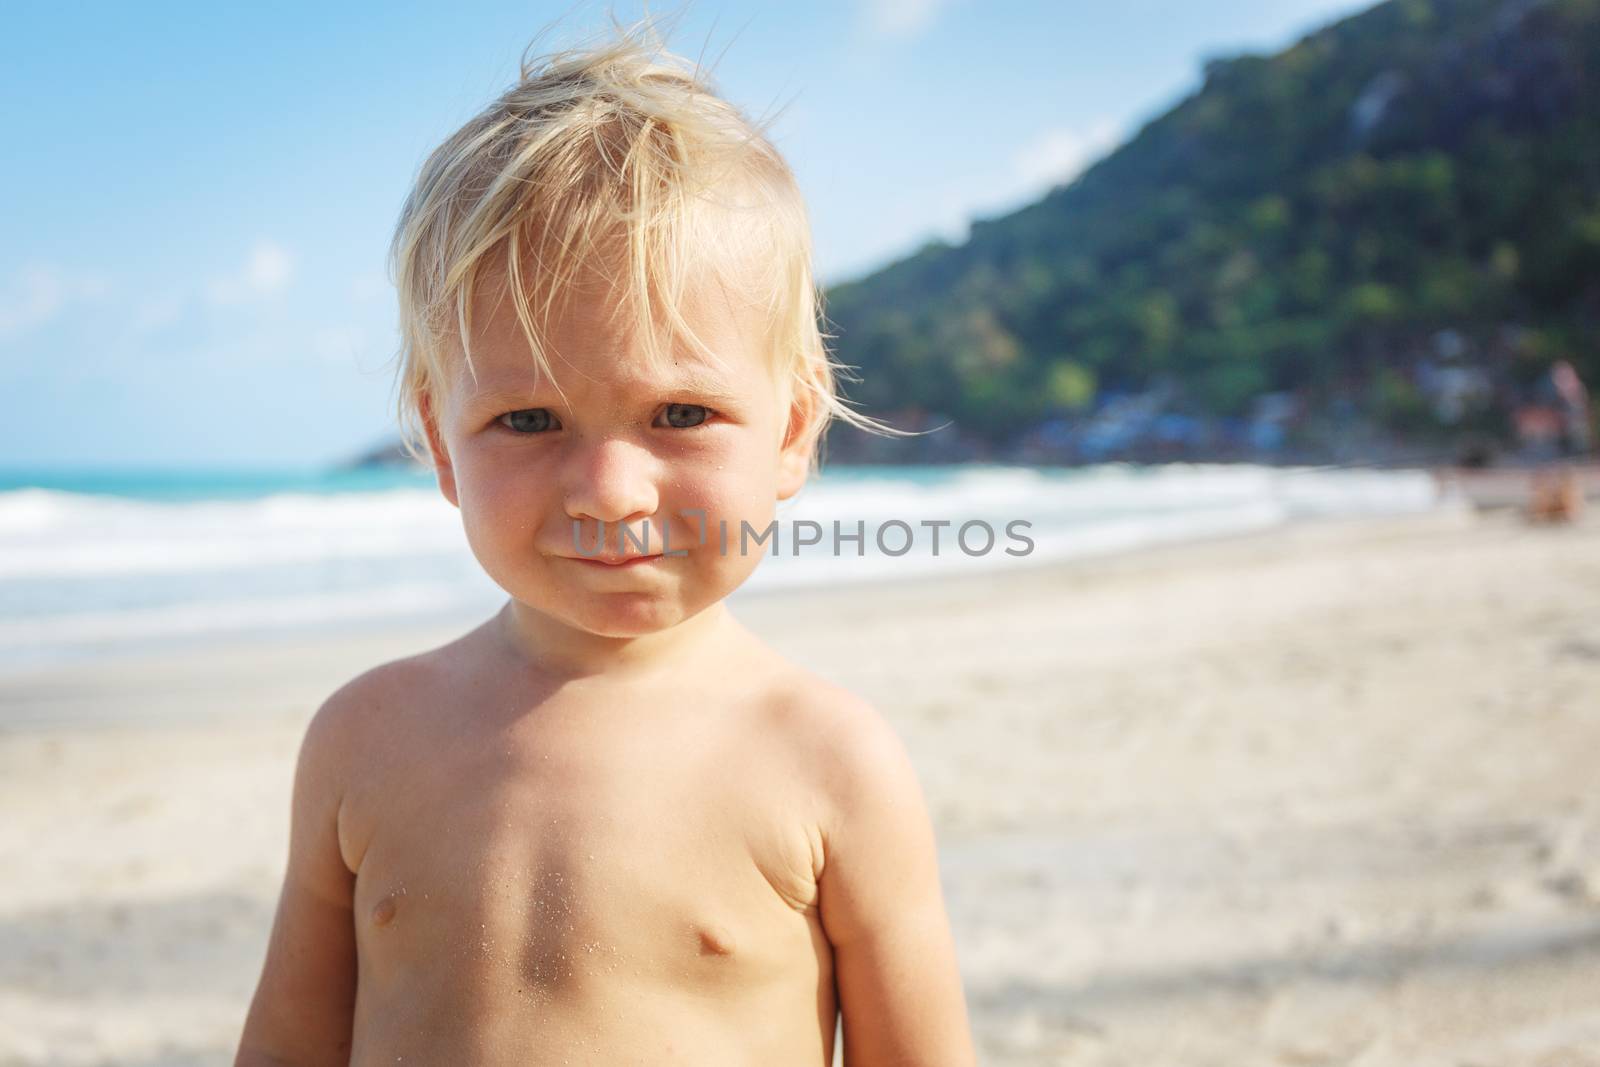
1270,417
1452,390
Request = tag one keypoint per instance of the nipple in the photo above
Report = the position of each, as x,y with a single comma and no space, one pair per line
383,911
715,941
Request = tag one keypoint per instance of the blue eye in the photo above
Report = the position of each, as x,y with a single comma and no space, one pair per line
686,416
529,421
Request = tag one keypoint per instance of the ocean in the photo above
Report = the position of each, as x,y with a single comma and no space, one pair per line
97,564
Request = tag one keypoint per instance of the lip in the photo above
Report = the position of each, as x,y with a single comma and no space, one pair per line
615,562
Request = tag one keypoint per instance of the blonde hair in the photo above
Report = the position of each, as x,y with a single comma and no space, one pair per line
622,160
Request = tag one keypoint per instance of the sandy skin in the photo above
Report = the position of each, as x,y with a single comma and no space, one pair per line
583,865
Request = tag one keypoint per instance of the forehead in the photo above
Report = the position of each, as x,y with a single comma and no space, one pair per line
589,337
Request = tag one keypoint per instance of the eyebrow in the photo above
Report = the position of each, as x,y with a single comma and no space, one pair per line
710,390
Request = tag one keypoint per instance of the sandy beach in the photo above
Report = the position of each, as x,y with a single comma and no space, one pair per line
1324,795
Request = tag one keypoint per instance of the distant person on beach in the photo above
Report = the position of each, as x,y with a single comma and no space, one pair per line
1573,398
1556,493
609,825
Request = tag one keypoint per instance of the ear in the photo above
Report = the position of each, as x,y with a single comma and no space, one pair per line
441,459
799,441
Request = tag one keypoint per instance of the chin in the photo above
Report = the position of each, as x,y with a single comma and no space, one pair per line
630,615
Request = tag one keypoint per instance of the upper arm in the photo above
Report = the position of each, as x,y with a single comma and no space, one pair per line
303,1008
882,908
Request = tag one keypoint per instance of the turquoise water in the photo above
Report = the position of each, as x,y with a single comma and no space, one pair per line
107,562
178,486
175,486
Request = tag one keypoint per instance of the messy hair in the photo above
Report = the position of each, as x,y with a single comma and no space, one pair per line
619,160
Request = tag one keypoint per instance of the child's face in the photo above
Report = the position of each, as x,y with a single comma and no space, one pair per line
524,465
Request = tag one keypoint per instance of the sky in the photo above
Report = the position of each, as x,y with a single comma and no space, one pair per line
198,198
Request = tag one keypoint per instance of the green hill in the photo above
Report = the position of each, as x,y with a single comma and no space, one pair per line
1412,190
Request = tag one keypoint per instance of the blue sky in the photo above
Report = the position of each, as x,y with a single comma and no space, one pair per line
198,198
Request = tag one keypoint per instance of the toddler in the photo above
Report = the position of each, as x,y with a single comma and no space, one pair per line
609,825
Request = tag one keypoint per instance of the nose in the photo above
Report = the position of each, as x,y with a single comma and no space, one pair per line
611,481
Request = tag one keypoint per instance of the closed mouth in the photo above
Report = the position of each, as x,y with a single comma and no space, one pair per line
616,561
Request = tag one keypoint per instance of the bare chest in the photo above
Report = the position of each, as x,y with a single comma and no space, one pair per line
552,861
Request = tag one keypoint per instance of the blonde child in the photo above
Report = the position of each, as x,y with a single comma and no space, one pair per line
609,825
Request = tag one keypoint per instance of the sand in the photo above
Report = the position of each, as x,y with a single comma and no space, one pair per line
1325,795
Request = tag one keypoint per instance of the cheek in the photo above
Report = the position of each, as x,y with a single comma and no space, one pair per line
497,502
733,486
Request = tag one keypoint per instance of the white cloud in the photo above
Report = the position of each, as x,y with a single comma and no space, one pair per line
269,267
40,293
1051,158
903,18
267,271
1059,155
1044,161
38,298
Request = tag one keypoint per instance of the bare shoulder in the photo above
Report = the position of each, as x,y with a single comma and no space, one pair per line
380,694
878,893
340,738
354,739
853,755
350,709
811,710
877,872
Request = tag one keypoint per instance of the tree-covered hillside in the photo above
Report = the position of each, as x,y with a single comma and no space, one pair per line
1406,194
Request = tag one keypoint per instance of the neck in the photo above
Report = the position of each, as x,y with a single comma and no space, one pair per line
564,653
